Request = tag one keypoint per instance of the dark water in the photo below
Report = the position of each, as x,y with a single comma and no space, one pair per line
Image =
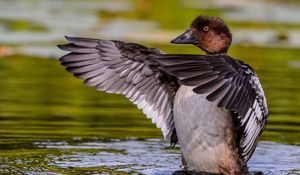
51,124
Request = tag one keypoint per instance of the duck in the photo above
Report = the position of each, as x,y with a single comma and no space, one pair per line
212,105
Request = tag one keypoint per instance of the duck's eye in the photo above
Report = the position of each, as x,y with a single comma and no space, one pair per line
205,28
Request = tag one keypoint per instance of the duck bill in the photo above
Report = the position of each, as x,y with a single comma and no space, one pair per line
185,38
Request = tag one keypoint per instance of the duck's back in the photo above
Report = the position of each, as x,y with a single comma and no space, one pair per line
205,133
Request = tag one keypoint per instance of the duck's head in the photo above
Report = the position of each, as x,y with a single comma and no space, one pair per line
210,34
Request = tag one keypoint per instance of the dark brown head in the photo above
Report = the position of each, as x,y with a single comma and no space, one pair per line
208,33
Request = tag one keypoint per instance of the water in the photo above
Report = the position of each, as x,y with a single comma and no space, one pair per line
51,124
150,156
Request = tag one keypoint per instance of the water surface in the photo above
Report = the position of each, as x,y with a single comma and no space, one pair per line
51,124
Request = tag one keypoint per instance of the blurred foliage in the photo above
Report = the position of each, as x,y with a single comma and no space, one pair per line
160,12
22,25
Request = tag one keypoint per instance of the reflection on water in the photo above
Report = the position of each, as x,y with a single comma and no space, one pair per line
150,156
51,124
154,157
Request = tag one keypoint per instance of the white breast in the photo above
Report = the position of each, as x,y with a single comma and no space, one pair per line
204,131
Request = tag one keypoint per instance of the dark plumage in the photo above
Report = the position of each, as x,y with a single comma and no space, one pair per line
152,80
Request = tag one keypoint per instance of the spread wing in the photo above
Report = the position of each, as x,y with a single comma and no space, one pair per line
232,84
124,68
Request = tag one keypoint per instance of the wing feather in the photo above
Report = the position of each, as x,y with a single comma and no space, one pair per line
231,84
124,68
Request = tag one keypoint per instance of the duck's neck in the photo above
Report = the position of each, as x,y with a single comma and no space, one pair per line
212,54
